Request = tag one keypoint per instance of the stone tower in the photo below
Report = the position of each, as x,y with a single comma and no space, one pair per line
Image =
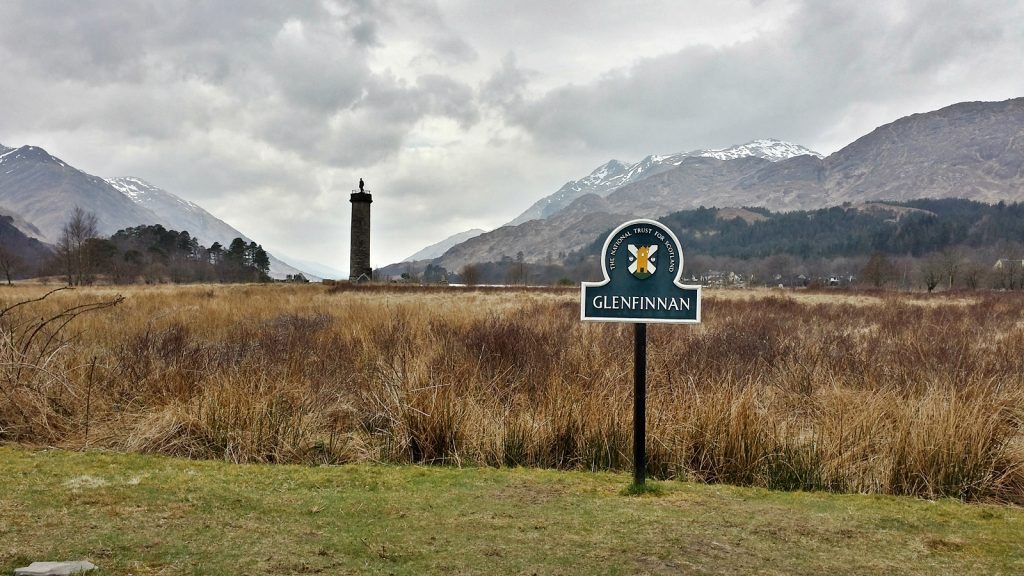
359,260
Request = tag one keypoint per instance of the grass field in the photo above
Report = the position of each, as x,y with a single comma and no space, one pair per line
846,392
133,514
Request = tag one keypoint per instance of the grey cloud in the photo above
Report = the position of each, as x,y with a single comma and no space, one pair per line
365,33
312,68
450,49
374,127
693,98
99,41
795,83
69,40
440,42
505,87
442,96
295,74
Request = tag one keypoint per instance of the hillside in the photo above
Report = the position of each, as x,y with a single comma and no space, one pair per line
916,228
180,214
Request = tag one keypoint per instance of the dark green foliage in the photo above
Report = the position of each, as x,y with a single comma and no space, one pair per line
848,231
917,228
155,254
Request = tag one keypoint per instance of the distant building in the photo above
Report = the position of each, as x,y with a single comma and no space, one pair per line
1008,263
723,279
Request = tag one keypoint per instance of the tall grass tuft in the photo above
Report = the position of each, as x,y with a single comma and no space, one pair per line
850,392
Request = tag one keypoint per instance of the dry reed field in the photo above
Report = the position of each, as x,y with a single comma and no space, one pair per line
884,393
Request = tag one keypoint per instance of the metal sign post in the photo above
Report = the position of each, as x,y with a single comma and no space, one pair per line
642,263
639,403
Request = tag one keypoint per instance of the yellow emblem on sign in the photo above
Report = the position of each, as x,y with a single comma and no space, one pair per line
642,265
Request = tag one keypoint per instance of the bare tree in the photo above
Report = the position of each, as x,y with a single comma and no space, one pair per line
952,261
73,246
10,263
1005,273
878,271
932,270
516,273
470,274
973,275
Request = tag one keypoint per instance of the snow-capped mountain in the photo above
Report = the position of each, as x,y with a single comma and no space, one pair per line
608,177
970,150
44,190
180,214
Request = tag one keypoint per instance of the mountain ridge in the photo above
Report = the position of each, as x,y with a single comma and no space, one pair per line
613,174
439,248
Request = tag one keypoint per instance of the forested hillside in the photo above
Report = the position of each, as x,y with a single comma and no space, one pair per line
915,228
154,254
971,244
913,239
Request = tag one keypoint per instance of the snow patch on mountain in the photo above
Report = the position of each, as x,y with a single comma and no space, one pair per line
144,193
767,148
605,177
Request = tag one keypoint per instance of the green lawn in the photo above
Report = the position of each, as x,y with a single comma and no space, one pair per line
152,515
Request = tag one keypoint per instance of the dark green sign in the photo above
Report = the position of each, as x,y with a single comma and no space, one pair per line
642,263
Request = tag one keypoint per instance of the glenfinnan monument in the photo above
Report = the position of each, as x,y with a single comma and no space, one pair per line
359,260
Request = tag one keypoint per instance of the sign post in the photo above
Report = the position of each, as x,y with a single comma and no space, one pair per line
642,263
639,402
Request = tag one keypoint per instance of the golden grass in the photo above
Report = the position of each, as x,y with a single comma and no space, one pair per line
861,392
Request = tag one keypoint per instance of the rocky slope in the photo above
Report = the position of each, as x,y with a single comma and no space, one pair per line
972,150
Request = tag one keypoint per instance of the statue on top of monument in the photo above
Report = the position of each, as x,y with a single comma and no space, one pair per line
361,185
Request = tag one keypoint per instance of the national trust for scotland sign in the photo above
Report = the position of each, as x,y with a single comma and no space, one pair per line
642,263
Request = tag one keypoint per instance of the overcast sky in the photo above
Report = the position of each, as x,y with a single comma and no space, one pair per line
462,113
